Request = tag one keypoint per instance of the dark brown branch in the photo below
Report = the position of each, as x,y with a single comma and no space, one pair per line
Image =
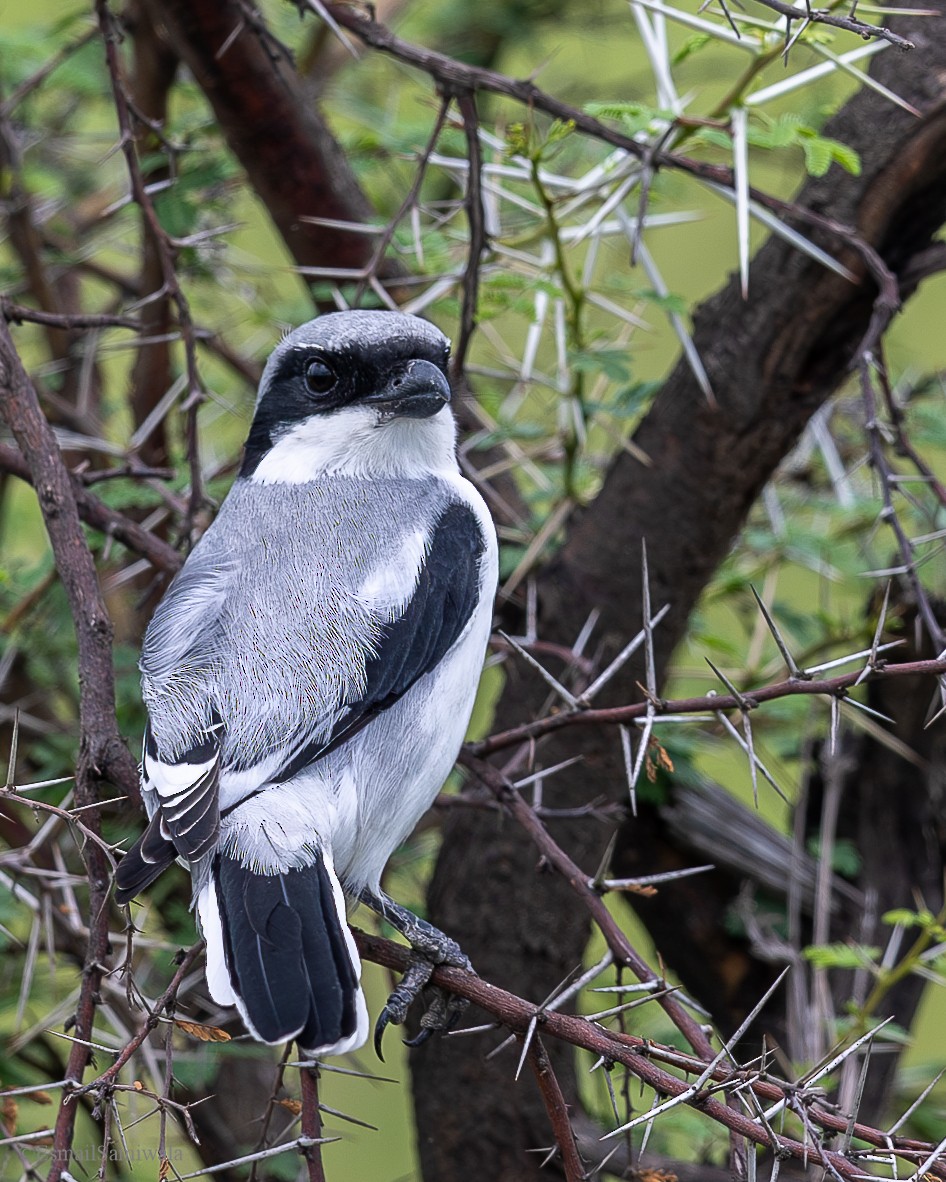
102,753
824,16
830,687
641,1055
557,1109
579,882
102,517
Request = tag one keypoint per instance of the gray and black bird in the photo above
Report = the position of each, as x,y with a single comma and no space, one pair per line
310,673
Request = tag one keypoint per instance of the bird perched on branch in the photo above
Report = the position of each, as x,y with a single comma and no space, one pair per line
310,674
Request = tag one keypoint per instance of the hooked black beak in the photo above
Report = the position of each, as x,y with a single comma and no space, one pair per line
415,390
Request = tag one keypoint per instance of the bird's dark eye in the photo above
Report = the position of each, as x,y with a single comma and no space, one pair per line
319,379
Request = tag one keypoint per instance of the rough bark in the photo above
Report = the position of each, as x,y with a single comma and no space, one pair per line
772,362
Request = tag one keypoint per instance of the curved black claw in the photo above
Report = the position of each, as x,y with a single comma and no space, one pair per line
420,1037
379,1028
430,947
403,995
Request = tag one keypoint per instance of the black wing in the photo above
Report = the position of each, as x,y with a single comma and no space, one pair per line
445,598
187,820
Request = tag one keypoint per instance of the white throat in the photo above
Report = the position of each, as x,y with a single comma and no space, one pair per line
352,442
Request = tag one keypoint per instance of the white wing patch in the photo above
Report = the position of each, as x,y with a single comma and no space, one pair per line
174,781
392,585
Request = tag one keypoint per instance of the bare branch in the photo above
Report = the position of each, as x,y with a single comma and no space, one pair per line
824,16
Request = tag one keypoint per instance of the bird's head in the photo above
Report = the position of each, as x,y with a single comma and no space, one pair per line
357,393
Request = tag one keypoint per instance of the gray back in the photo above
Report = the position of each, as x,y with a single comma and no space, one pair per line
264,623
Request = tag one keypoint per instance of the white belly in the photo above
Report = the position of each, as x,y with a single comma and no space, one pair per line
361,801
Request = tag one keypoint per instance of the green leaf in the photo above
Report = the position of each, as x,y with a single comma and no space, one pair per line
845,858
671,302
692,45
613,363
846,157
841,956
902,916
633,117
817,156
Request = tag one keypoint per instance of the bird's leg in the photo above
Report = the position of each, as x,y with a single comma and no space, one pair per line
431,947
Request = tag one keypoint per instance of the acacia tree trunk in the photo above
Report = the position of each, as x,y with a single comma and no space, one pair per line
772,362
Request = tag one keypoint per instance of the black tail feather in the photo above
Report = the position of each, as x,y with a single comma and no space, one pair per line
150,856
286,953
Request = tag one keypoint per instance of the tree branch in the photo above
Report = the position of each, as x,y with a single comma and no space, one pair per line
102,752
640,1056
824,16
829,687
102,517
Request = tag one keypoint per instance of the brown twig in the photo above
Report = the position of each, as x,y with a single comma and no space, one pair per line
102,517
271,1104
557,1109
38,77
466,102
312,1123
641,1056
102,753
831,687
406,205
878,462
850,24
21,314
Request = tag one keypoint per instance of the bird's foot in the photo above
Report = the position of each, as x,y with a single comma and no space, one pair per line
431,947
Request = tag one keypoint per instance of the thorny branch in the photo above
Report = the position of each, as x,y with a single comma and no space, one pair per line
453,76
850,24
830,687
312,1123
164,1005
624,952
641,1056
102,753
